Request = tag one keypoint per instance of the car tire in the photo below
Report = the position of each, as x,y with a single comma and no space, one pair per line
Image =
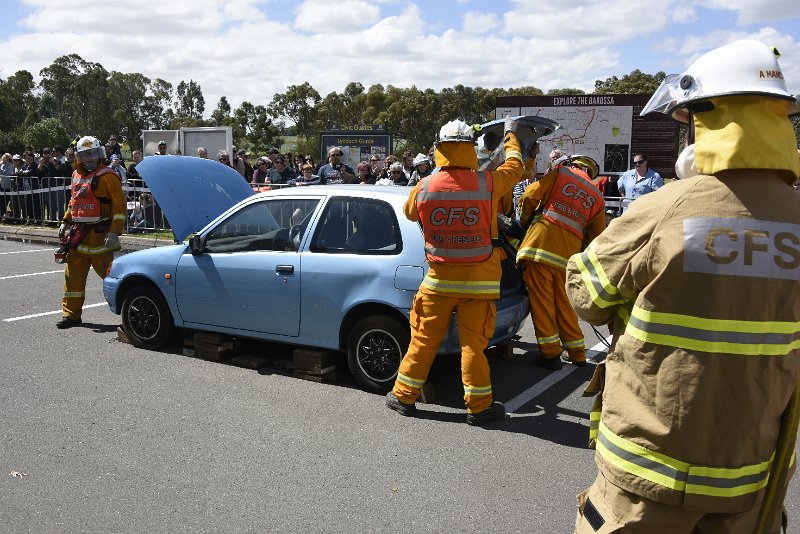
146,318
375,347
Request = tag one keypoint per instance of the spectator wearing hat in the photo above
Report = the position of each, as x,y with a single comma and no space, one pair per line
162,149
422,168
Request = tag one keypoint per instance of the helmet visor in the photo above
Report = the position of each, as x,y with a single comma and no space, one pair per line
675,90
90,154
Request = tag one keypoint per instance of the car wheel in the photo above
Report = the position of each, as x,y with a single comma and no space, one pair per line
146,318
375,347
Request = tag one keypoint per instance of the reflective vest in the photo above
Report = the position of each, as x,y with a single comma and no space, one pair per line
573,201
455,208
84,204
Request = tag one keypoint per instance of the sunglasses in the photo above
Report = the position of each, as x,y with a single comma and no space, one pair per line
395,172
639,162
339,154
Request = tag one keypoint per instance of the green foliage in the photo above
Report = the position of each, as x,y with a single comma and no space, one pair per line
84,98
567,91
46,133
636,82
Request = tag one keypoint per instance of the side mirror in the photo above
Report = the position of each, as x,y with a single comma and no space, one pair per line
196,245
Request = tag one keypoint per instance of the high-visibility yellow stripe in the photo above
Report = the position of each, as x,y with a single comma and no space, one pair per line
603,293
94,251
119,217
677,475
74,294
514,154
411,382
478,287
594,423
748,338
549,339
574,344
543,256
477,391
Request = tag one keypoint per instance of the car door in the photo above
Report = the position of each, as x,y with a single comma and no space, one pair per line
248,275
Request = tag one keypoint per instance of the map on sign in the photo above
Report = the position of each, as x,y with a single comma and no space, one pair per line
608,128
603,133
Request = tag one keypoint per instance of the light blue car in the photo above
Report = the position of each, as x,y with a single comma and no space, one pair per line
333,267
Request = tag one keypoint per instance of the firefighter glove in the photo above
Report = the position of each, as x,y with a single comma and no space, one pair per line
62,230
510,125
112,240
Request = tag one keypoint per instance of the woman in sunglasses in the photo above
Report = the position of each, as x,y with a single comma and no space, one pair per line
640,180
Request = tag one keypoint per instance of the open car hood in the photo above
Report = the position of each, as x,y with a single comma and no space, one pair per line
192,191
529,129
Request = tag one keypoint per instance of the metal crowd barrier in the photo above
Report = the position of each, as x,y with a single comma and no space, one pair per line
43,201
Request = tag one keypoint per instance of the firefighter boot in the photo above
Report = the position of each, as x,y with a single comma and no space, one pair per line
393,403
494,412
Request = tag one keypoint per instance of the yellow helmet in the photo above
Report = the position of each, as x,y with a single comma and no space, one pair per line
587,163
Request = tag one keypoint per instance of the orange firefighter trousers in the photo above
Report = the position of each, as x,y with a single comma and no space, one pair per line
430,318
554,320
77,269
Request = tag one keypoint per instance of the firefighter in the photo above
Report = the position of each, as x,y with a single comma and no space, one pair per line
96,213
560,213
457,207
701,281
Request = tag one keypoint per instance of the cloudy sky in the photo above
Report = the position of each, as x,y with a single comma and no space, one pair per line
252,49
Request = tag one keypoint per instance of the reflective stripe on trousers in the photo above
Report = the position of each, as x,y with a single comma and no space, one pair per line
677,475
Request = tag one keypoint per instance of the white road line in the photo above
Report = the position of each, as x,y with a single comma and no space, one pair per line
29,274
24,251
543,385
12,319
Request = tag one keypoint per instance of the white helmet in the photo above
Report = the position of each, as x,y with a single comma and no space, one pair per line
421,158
456,132
89,148
746,67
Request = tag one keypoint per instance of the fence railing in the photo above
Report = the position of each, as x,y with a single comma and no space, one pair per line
43,201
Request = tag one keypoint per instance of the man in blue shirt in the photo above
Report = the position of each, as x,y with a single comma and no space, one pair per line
638,181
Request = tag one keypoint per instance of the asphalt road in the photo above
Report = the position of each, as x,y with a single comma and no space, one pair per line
99,436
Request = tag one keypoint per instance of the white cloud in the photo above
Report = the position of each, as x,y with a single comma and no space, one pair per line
478,23
249,50
753,11
324,16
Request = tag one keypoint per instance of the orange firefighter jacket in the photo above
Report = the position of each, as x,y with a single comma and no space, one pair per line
550,242
112,210
455,209
479,280
701,280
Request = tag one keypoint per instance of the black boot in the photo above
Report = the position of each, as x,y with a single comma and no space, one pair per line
494,412
66,322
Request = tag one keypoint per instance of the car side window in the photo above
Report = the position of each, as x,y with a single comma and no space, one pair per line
358,226
276,224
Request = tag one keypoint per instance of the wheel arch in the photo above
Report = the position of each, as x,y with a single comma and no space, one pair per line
367,309
133,281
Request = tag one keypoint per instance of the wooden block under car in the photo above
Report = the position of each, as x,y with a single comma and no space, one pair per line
122,337
250,360
329,376
313,361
